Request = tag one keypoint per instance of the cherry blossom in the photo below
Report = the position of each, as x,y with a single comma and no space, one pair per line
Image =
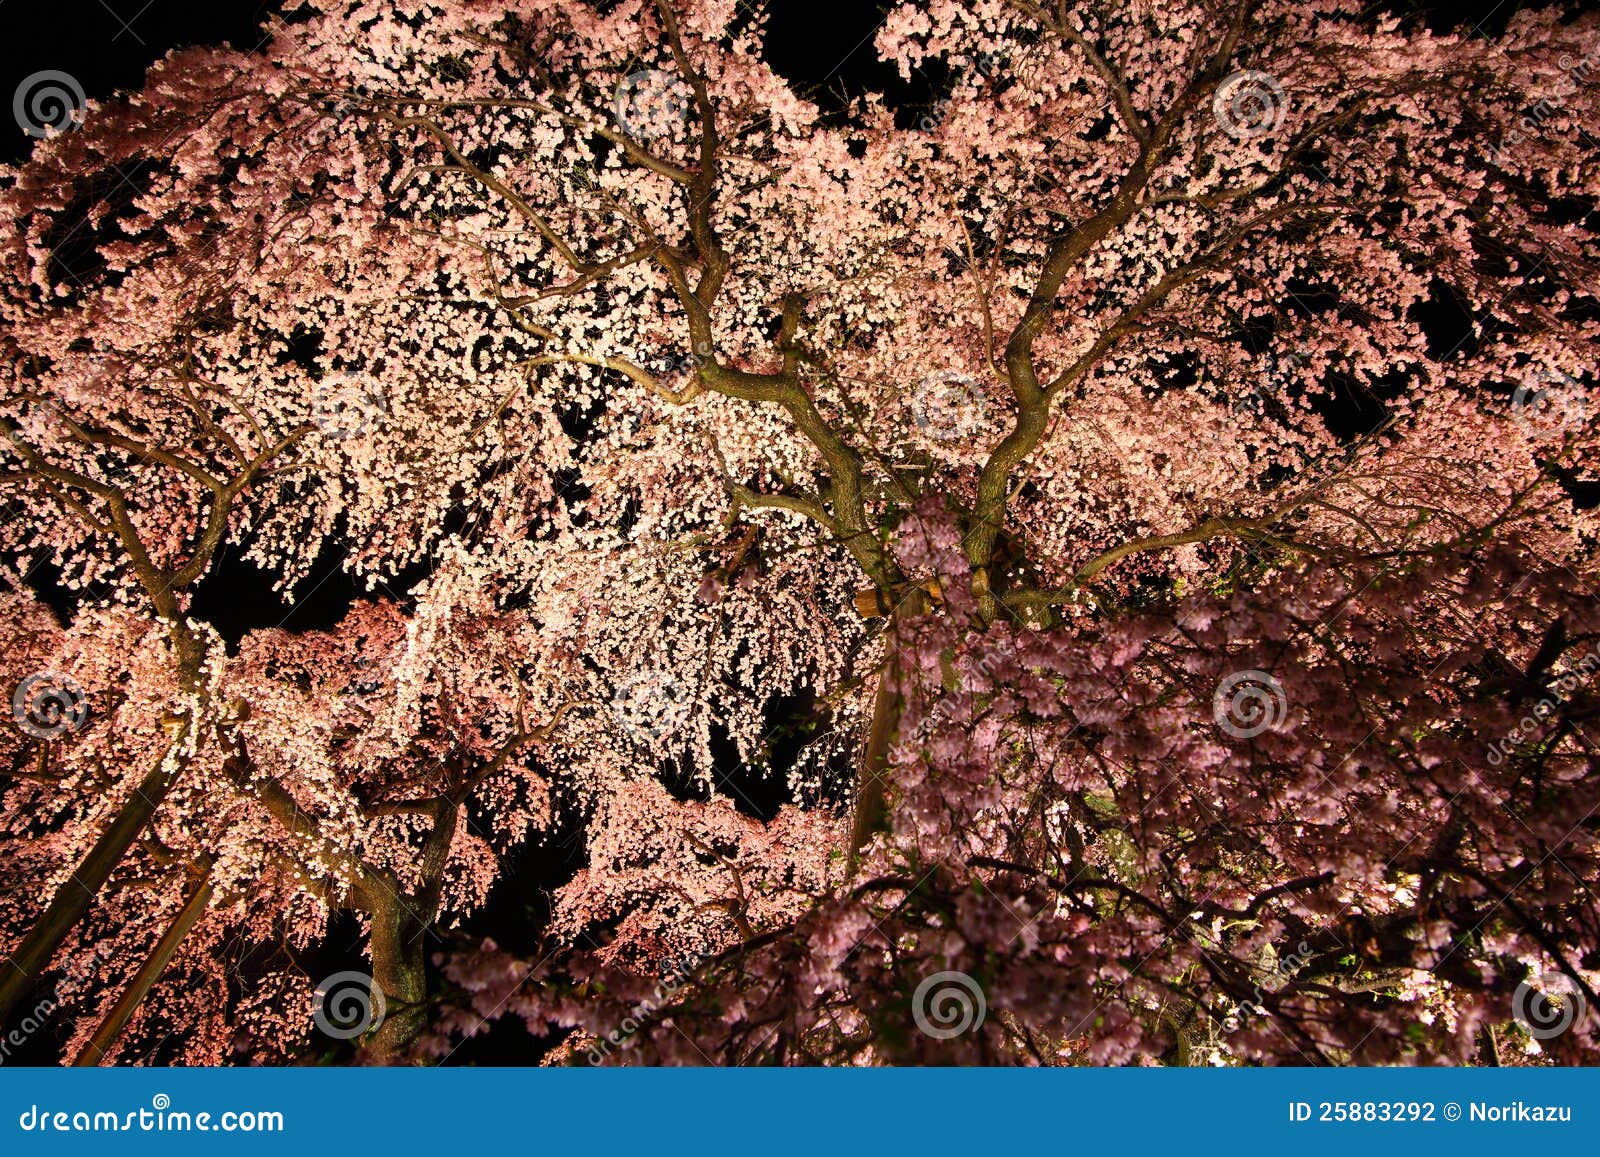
1086,454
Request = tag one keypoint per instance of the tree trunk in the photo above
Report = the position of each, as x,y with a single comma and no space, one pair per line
30,958
399,969
149,972
871,809
871,806
1488,1047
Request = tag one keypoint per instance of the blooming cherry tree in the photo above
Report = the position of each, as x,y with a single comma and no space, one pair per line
1085,452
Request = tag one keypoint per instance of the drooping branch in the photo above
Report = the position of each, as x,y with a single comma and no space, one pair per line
116,1018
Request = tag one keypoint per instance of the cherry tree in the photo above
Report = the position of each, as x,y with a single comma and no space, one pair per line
1032,435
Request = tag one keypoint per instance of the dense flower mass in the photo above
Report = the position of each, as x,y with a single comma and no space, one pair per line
1134,513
